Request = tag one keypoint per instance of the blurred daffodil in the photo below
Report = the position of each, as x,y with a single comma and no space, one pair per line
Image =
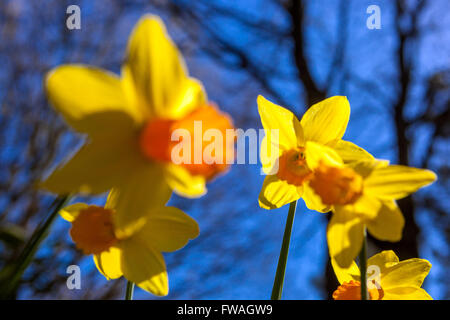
129,122
388,278
283,148
136,256
361,194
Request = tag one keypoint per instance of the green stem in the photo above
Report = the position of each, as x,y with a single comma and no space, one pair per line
31,247
130,290
363,268
282,260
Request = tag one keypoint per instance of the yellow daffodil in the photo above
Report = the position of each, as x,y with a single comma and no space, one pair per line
361,194
137,256
389,279
284,145
129,121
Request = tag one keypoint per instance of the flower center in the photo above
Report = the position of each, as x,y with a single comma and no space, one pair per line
201,152
337,186
93,230
292,167
352,291
155,139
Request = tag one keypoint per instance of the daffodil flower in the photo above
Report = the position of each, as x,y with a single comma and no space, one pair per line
137,256
284,145
361,194
129,121
389,278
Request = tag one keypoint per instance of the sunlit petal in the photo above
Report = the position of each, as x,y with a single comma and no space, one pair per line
95,168
383,260
144,266
183,182
406,273
71,212
143,190
91,100
346,274
313,201
157,72
388,223
350,152
396,182
327,120
290,133
317,154
168,229
345,234
275,193
406,293
109,263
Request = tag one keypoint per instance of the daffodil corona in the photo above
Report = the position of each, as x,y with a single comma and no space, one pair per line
129,121
136,256
390,279
283,155
362,195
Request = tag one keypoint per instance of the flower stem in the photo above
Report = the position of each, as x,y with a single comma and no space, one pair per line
26,256
363,268
130,291
282,260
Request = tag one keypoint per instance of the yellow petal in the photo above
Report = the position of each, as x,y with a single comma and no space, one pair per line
144,266
388,224
316,154
71,212
274,117
192,95
346,274
350,152
383,260
366,166
168,229
396,182
345,234
275,193
157,72
327,120
406,273
143,190
270,153
109,263
313,201
95,168
91,100
183,182
406,293
366,207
